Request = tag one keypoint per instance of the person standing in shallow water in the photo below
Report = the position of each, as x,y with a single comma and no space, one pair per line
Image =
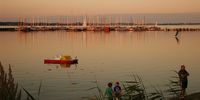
183,74
109,91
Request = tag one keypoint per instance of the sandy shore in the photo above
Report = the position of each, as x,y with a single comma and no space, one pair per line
193,96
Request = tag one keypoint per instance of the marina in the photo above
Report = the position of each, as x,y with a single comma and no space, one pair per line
94,23
95,28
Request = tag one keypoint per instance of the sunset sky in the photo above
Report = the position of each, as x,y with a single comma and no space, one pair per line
25,8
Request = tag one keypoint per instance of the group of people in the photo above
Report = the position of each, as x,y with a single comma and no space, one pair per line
113,93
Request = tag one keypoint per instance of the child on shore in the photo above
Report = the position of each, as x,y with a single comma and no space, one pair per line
117,91
109,91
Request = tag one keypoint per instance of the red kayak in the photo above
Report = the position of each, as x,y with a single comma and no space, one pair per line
53,61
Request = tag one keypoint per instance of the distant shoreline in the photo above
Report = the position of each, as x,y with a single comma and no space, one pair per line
16,23
103,27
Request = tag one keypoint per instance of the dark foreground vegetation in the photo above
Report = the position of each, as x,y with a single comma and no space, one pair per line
10,90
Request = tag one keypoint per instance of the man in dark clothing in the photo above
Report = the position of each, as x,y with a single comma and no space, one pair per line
117,90
183,79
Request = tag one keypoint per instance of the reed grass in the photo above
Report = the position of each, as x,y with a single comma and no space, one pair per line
174,85
136,90
99,96
133,89
9,89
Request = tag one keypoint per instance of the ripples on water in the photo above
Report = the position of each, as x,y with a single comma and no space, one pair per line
103,56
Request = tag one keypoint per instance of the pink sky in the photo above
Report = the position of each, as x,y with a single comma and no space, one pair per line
25,8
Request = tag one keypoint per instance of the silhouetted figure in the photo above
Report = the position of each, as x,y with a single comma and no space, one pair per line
183,80
177,32
177,40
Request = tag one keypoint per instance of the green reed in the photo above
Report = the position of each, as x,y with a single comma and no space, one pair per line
136,90
174,85
133,89
9,89
99,96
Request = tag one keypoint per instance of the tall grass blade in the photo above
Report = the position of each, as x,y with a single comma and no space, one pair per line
29,95
39,90
19,95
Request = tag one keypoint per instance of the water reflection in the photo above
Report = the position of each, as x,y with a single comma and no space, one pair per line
177,40
65,65
28,39
62,65
108,56
85,39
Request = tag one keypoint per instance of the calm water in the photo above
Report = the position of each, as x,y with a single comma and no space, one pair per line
102,56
